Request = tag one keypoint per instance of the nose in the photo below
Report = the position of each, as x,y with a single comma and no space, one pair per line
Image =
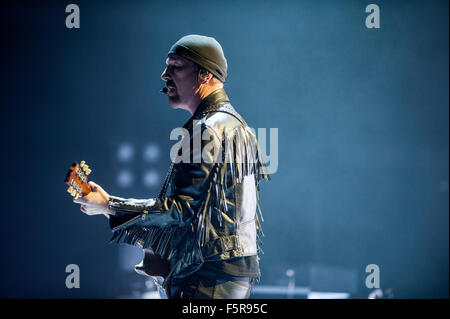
165,76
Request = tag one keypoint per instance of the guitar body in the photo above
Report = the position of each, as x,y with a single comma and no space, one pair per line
152,265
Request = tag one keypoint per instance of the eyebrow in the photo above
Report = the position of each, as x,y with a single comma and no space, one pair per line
176,59
173,60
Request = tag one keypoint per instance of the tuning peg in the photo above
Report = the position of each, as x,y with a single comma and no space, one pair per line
82,163
88,171
70,189
77,195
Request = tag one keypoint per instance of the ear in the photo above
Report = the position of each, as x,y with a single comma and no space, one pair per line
204,76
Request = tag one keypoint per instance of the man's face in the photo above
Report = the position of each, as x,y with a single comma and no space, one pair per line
180,76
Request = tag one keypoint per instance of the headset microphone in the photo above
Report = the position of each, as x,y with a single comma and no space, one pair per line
164,90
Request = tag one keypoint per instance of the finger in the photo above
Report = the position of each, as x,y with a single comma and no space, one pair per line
88,209
91,211
80,200
94,186
85,209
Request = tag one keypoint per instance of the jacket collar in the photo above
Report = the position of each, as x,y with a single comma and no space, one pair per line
216,98
213,101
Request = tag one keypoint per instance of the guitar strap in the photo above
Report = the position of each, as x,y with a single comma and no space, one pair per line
166,183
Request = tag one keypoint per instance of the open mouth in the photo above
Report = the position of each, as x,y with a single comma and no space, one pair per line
171,90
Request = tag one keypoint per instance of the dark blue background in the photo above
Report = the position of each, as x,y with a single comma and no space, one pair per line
363,128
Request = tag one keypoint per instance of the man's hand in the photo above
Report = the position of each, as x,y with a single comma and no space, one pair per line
96,202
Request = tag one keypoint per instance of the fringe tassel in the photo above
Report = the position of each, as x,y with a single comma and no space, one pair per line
242,157
162,241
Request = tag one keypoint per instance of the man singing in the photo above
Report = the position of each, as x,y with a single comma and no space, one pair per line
204,224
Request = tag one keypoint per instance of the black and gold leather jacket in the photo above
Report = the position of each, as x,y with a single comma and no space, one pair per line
211,211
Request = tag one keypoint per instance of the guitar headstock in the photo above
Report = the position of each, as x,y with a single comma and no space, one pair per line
76,178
